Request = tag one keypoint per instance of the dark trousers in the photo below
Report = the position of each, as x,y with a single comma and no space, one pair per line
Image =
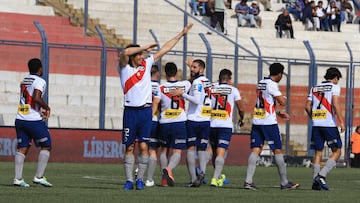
333,22
217,17
355,162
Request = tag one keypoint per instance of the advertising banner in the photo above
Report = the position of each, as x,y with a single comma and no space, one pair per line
98,146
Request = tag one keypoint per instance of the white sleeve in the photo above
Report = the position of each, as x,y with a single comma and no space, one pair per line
236,94
336,90
194,99
197,94
274,89
40,84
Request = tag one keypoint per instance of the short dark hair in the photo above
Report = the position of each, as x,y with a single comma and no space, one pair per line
132,45
276,68
320,2
200,62
225,74
170,69
154,69
34,65
332,73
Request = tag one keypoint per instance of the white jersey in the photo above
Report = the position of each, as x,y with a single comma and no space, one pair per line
173,107
264,111
223,98
322,108
29,110
136,83
155,85
200,91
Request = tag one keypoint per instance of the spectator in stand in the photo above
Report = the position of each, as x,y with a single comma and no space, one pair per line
355,148
333,14
219,15
307,17
229,3
266,4
294,7
205,7
357,10
348,10
283,22
321,22
356,5
255,10
194,7
342,13
242,11
196,4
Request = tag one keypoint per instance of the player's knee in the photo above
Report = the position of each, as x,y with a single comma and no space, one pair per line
23,150
336,152
278,151
130,148
46,148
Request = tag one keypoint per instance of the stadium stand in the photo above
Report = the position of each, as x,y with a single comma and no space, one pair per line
74,74
168,20
25,7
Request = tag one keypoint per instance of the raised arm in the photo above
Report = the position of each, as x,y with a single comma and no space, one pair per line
171,43
124,55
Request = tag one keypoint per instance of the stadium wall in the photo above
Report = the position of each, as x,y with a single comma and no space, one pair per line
98,146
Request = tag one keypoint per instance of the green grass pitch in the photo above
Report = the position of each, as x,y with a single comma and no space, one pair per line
104,182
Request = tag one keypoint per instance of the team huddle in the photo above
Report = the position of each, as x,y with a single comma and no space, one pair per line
173,129
158,121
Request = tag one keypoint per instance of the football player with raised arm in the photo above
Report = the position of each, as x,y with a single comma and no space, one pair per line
134,70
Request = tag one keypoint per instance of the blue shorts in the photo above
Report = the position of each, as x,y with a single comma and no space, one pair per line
198,134
154,137
136,125
270,133
321,134
220,137
173,135
32,130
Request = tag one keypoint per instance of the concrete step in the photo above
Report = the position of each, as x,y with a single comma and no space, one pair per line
29,18
19,7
